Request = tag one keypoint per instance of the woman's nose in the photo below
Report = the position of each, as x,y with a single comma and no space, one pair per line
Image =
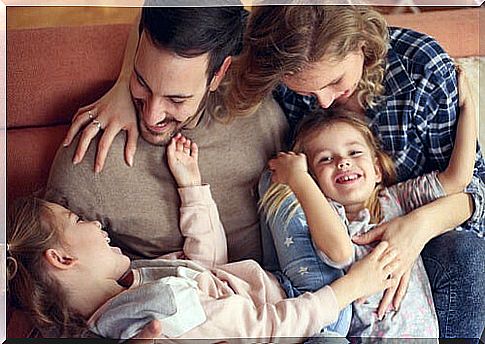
325,99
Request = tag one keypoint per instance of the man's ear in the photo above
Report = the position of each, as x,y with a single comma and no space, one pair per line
59,259
217,78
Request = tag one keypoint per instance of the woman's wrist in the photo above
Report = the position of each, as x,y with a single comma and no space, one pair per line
422,226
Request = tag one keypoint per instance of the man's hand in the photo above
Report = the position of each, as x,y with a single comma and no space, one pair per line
402,234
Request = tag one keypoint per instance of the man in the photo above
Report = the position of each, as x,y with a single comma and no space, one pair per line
181,58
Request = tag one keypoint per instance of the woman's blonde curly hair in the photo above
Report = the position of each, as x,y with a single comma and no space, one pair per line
284,40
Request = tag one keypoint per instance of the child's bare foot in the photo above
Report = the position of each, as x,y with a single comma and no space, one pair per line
182,155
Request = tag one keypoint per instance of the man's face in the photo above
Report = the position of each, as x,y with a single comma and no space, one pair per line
166,89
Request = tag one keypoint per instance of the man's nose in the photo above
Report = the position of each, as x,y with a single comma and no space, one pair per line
154,111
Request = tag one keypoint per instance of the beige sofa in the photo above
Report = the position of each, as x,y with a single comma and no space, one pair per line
53,71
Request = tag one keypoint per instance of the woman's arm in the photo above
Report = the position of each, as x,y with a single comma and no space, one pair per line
326,227
459,172
115,112
409,233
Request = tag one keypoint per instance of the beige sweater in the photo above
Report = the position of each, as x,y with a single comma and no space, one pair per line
139,205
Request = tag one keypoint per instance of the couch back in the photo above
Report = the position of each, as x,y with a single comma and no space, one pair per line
51,72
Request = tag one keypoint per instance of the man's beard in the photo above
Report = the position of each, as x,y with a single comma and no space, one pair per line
157,139
149,136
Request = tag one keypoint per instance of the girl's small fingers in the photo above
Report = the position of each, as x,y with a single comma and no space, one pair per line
388,256
180,145
379,250
172,145
194,150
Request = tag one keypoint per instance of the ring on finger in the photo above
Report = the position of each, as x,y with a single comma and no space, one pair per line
90,115
96,123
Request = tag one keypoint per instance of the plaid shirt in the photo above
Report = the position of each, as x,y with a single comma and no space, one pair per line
416,118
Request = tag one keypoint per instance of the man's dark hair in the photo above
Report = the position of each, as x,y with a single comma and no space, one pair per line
193,31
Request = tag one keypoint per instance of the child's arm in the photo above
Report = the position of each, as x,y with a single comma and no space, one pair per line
205,239
326,227
459,172
302,316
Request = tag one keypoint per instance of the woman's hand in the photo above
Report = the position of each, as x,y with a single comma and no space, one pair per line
402,237
286,165
112,113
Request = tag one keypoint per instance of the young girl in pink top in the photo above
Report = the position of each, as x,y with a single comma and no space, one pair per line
63,271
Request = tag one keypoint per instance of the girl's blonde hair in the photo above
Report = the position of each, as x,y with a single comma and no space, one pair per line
277,194
284,40
31,230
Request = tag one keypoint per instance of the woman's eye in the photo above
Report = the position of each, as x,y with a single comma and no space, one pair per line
177,101
79,219
325,159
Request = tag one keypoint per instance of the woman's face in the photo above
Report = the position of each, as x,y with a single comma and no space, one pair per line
329,80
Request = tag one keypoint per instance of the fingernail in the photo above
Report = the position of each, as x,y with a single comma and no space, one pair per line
75,160
130,161
65,143
97,168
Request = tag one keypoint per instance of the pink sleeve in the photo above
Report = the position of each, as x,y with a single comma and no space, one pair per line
300,317
205,239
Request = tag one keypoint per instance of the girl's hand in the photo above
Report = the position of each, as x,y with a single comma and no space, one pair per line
371,274
407,243
114,112
182,155
286,166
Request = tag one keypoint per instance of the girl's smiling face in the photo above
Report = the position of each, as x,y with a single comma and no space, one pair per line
343,164
87,245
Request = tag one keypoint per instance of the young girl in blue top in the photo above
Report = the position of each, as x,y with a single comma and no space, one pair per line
344,186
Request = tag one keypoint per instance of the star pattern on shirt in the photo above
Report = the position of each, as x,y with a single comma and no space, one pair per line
288,241
303,270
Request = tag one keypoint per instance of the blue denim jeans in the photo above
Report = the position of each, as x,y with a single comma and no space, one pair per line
289,253
455,264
